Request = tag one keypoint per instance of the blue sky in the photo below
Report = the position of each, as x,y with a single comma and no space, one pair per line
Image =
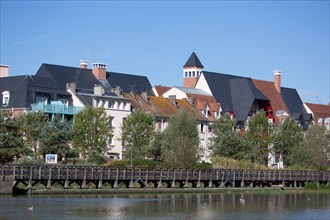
155,39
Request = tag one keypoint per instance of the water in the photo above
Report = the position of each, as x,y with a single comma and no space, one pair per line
224,205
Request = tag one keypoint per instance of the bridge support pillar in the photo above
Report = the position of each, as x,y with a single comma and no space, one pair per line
295,184
328,183
160,184
83,184
222,184
100,185
210,184
49,184
198,185
115,185
242,183
131,184
66,184
30,184
173,184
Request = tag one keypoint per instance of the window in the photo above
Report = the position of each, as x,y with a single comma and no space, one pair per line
202,128
110,141
193,73
5,98
41,100
189,74
111,104
185,74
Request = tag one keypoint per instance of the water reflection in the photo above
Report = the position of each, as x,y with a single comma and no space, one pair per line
170,206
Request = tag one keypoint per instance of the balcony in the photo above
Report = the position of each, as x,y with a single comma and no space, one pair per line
56,107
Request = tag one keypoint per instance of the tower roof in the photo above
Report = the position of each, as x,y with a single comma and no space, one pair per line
193,61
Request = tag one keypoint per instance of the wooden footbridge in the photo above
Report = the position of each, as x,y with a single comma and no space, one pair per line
123,177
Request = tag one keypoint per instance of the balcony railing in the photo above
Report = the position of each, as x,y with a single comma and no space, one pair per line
56,108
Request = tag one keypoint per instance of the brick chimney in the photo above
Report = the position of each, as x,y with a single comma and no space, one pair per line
277,80
83,64
4,69
99,70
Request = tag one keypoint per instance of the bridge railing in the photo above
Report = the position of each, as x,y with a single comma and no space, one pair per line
20,172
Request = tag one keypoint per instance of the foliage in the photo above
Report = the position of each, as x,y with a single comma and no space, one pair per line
227,141
314,150
11,138
286,137
137,132
33,124
229,163
180,140
202,166
257,137
92,130
155,150
55,138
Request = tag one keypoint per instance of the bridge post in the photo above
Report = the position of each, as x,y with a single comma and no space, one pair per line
186,184
115,185
131,182
173,182
199,179
66,184
99,186
210,182
49,181
160,183
83,184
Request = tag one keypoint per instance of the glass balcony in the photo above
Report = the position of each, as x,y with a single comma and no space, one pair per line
56,107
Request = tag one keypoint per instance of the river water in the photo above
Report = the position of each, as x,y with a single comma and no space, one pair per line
222,205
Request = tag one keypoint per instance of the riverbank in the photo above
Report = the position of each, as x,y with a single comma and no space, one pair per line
173,190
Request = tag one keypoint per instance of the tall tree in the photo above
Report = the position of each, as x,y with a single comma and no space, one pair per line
33,124
287,136
92,132
257,137
56,137
180,140
137,132
314,150
11,138
227,141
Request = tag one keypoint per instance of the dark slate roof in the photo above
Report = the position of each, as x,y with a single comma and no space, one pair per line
84,78
193,61
243,95
17,86
129,83
234,93
295,105
61,75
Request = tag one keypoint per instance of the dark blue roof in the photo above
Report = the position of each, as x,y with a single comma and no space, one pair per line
193,61
295,105
235,94
129,83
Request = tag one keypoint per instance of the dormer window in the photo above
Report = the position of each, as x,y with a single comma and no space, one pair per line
5,98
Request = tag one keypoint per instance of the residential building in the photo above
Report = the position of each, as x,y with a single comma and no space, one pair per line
163,108
64,90
320,112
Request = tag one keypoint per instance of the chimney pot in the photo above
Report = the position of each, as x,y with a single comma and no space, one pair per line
83,64
99,71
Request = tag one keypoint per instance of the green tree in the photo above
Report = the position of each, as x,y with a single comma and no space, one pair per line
33,124
92,133
314,150
11,138
156,146
180,141
137,132
227,141
257,137
55,138
287,136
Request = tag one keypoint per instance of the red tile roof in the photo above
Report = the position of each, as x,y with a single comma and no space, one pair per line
163,107
162,89
319,110
275,98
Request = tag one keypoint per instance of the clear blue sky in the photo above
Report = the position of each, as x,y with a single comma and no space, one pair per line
155,39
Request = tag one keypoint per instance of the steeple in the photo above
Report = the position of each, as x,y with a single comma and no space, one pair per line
193,61
191,71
